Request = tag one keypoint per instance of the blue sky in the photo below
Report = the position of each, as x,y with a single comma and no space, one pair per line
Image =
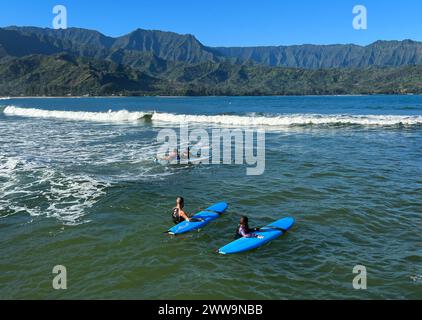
231,22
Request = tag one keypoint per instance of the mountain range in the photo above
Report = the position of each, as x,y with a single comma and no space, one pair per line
36,61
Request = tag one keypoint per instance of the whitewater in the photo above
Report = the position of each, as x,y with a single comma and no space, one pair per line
247,120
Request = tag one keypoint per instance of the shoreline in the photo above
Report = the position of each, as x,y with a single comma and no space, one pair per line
211,96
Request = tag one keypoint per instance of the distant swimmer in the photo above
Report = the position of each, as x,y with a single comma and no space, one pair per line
178,214
184,157
243,230
174,155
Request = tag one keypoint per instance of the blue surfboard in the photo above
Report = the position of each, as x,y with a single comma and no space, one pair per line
200,220
268,233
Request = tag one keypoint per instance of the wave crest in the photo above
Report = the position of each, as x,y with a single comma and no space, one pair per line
293,119
282,120
110,116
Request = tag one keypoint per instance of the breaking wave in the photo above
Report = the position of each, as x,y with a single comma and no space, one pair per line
293,119
281,120
110,116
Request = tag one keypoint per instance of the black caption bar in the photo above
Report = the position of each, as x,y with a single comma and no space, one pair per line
212,309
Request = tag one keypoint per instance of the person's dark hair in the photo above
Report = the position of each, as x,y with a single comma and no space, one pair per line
180,201
245,221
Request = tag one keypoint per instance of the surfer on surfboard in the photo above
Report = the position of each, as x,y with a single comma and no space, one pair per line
173,156
178,214
176,156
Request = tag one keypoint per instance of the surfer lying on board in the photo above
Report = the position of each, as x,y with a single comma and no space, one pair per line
174,155
178,214
243,230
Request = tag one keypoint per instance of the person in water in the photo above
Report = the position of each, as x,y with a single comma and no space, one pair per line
174,155
178,214
243,230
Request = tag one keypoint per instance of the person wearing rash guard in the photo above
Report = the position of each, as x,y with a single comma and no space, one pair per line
243,230
178,214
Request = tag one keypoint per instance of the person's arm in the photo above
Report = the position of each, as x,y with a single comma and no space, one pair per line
184,215
245,234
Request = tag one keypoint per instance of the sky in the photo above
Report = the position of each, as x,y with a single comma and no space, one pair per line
231,22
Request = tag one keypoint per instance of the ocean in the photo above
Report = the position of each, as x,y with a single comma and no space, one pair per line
79,187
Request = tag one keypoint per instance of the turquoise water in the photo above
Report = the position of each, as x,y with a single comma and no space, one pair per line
82,190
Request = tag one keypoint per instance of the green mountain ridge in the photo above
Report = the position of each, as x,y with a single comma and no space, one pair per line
35,61
187,49
380,53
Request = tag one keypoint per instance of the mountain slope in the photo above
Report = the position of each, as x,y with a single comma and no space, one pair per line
63,74
173,47
380,53
234,79
164,45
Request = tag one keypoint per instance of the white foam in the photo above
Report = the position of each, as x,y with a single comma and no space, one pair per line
291,119
110,116
8,166
233,120
68,196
